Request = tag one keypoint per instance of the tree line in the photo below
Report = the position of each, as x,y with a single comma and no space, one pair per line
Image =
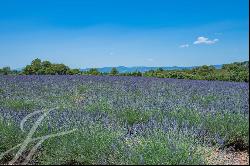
238,71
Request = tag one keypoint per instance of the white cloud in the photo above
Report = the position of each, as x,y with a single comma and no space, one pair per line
204,40
184,46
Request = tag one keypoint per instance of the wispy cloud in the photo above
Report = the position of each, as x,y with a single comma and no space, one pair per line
204,40
184,46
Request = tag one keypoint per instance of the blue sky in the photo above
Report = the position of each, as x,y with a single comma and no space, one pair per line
98,33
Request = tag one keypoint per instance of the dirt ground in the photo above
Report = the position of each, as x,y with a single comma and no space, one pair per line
219,157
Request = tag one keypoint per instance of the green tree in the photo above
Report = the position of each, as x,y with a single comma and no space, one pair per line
94,71
5,70
73,71
34,68
114,71
45,68
160,69
46,64
28,70
136,73
59,69
238,71
36,65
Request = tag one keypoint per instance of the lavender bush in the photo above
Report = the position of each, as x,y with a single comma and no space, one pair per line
126,120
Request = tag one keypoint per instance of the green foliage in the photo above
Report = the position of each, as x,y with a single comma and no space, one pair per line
82,89
34,68
46,64
133,116
73,72
114,71
232,127
159,69
60,69
19,104
96,145
186,116
135,73
100,106
28,70
166,149
5,71
238,72
205,101
36,65
10,135
87,145
1,90
45,67
93,71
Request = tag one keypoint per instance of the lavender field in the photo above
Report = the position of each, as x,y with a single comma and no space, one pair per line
124,120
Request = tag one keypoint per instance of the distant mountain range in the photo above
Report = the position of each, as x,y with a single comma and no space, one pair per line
123,69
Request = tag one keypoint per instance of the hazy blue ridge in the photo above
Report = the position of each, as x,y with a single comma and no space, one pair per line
123,69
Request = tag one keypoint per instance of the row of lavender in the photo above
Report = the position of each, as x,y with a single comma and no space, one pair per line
133,111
